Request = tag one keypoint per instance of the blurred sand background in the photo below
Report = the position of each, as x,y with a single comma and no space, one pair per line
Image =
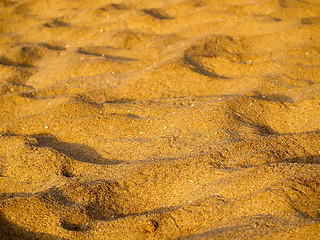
171,119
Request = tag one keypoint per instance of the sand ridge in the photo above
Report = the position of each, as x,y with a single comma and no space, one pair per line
173,119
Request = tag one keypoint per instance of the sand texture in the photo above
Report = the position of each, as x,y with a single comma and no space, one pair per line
170,119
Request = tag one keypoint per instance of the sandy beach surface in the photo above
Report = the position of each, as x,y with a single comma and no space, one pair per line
171,119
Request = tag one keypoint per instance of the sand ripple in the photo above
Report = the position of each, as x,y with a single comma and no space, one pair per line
195,119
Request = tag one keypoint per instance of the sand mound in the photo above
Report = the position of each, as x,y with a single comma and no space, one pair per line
195,119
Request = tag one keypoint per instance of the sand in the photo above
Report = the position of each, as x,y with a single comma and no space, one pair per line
172,119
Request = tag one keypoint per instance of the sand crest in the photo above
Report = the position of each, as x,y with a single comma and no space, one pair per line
173,119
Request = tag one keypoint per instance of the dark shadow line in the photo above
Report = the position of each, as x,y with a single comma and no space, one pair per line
52,46
56,23
7,62
109,58
79,152
198,68
129,115
158,14
115,6
264,130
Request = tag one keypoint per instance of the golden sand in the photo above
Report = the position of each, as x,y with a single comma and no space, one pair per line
171,119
